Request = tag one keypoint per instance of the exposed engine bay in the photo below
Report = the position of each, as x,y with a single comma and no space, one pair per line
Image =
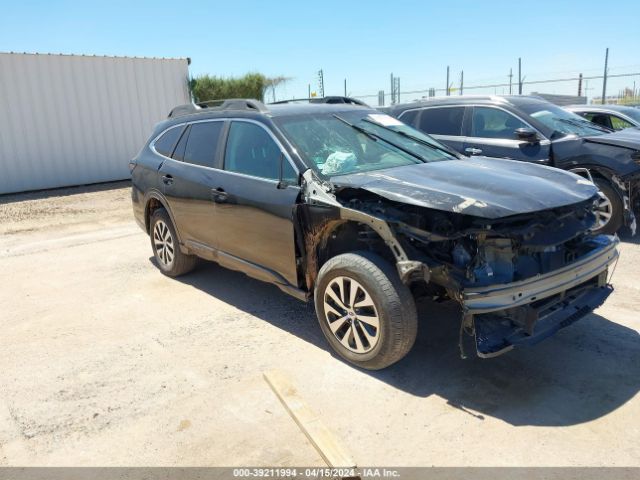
471,251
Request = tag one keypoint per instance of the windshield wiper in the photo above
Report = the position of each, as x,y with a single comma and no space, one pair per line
584,124
415,139
375,137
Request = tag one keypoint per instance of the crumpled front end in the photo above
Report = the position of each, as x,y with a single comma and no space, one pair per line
518,279
503,315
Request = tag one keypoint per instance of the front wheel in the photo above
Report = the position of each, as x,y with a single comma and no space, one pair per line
366,313
609,208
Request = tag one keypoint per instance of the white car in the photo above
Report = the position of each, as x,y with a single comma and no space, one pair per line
615,117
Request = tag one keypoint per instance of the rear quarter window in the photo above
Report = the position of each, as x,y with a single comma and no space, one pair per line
167,141
409,117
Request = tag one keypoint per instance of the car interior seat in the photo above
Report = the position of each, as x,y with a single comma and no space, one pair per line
602,119
479,125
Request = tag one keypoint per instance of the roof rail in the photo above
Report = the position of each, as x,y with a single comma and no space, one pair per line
224,104
334,99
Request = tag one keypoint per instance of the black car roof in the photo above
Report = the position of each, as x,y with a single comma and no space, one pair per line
265,112
274,110
305,109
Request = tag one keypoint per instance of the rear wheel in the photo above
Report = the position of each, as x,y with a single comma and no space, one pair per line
366,313
164,242
609,208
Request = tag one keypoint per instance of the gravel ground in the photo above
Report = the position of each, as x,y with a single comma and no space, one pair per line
104,361
65,207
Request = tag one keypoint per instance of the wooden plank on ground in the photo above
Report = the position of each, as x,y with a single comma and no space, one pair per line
325,442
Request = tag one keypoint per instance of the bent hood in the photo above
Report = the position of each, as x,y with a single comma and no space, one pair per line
482,187
627,138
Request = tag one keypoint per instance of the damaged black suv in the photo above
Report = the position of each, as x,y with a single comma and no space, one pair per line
359,211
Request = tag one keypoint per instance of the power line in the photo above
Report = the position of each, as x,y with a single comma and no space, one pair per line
529,82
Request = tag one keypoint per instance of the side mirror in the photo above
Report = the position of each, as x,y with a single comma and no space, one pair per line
527,134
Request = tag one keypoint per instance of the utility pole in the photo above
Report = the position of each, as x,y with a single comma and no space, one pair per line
604,80
393,90
321,82
580,85
398,82
510,79
309,90
345,87
448,92
461,81
519,76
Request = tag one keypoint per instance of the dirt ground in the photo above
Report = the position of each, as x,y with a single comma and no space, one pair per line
104,361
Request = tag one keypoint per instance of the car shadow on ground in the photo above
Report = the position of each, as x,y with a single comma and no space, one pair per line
582,373
628,238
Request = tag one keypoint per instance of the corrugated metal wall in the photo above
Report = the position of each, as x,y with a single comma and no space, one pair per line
71,119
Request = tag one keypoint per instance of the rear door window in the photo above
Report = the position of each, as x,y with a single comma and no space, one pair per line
202,144
442,121
490,122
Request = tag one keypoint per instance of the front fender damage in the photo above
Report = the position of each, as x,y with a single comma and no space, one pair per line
517,280
322,212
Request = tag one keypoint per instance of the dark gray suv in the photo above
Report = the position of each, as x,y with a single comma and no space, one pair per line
358,212
533,130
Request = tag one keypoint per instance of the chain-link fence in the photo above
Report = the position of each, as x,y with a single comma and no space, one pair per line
622,87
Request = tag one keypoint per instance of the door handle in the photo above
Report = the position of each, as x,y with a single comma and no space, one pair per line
473,151
167,179
219,195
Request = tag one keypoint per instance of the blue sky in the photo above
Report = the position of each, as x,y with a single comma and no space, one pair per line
361,41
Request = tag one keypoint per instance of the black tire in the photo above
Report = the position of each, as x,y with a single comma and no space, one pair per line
393,303
180,263
616,207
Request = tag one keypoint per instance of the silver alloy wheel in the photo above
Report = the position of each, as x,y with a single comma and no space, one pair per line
603,211
351,314
163,241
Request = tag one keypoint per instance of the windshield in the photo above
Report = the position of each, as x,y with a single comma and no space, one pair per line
561,121
358,141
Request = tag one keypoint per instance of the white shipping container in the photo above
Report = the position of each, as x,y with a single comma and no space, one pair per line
74,119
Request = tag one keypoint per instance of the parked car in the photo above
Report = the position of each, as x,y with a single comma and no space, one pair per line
533,130
358,211
613,117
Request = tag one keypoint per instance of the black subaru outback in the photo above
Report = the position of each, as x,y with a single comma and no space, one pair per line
353,208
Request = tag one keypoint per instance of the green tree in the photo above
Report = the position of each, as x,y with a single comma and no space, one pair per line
251,85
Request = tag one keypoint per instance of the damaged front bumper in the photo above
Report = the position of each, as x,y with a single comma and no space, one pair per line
525,312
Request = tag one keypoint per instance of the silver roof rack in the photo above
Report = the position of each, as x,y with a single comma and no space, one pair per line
333,99
225,104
